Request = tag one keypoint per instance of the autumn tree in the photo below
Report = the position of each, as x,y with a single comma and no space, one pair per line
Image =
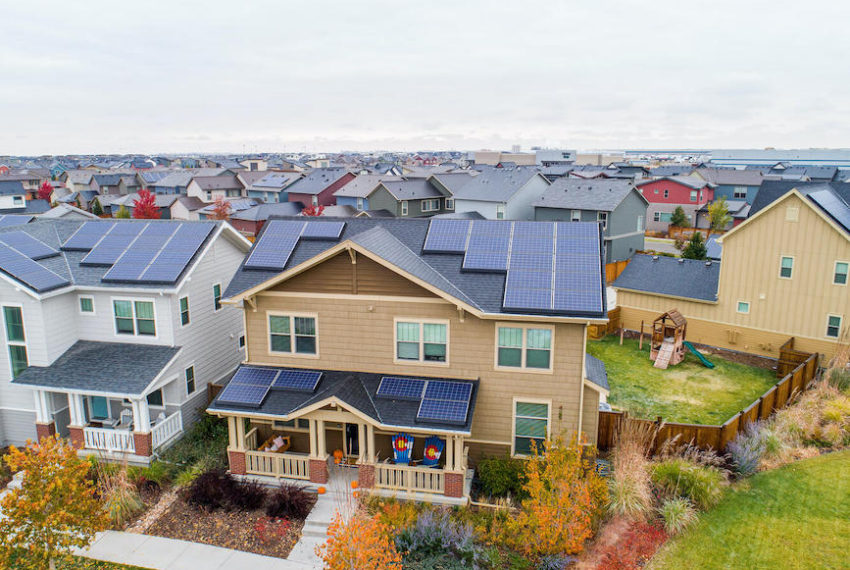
565,498
363,541
45,191
718,214
221,209
696,248
122,213
678,218
55,510
144,207
313,211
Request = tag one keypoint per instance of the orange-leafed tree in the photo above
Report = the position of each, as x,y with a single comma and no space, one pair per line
565,498
362,541
55,510
313,211
221,209
144,207
45,191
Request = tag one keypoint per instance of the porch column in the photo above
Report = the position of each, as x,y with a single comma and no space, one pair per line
370,435
78,420
319,464
459,466
236,445
313,435
142,437
240,434
320,434
44,424
361,441
231,432
450,453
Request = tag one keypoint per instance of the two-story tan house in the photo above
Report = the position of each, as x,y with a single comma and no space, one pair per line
783,273
471,333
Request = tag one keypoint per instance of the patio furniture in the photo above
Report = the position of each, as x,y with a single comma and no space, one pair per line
126,418
433,450
276,444
402,446
159,419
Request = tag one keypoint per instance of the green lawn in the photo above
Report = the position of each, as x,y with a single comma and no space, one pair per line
687,392
794,517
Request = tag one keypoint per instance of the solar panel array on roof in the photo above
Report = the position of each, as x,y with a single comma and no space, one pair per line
113,244
489,246
445,401
250,385
395,388
86,236
323,230
28,245
833,206
7,221
447,236
275,246
297,380
29,272
136,259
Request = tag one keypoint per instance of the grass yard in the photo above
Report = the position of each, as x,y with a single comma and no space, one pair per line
686,393
797,516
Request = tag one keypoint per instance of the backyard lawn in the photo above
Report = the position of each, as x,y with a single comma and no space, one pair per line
686,393
797,516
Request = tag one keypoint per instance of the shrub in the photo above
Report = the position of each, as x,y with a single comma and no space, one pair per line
501,476
434,533
629,486
211,490
677,514
747,449
839,378
361,542
246,495
205,444
289,501
634,549
556,562
119,494
680,478
394,513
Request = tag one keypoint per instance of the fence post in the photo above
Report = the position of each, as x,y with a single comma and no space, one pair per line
640,344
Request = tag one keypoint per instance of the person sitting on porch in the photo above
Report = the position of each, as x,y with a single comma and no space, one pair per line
432,452
402,446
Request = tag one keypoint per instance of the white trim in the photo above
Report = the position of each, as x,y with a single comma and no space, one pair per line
423,202
781,258
420,322
517,400
135,334
846,274
291,315
738,307
524,348
840,326
80,310
450,204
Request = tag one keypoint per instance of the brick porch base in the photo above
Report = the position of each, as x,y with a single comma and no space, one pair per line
45,430
366,476
237,462
144,443
318,471
453,485
75,434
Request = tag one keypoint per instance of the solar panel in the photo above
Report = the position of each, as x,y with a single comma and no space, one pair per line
251,376
523,298
447,236
136,259
274,247
323,230
833,206
443,411
7,221
488,247
244,394
28,245
87,235
28,271
297,380
396,388
112,245
176,254
447,390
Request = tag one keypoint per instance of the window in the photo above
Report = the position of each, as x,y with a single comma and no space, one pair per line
841,269
500,211
421,341
87,305
655,191
666,193
833,326
450,203
16,339
209,196
640,223
602,218
693,195
786,267
520,347
575,215
300,423
241,341
184,311
314,200
662,216
282,329
17,200
430,205
404,207
190,380
743,307
531,426
217,296
99,407
359,203
134,317
155,398
740,192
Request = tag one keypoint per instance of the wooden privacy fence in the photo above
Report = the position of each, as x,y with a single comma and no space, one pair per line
613,270
595,332
716,437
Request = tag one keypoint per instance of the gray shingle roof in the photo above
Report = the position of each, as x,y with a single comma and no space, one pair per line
363,185
772,190
221,182
412,189
317,180
496,184
108,367
596,372
694,182
729,177
688,278
11,187
602,194
265,211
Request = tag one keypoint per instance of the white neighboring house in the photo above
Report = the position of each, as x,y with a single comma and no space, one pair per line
116,356
502,193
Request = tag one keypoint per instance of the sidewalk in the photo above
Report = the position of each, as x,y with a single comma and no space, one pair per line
159,553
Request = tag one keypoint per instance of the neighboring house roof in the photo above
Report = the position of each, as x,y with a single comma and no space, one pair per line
602,194
30,207
221,182
736,208
160,200
359,391
108,179
675,277
236,205
694,182
66,210
275,181
317,180
454,181
671,170
497,184
713,248
151,176
79,176
103,367
772,190
825,173
399,243
413,189
596,372
729,177
9,220
192,203
340,211
363,185
175,179
461,216
12,188
262,212
249,177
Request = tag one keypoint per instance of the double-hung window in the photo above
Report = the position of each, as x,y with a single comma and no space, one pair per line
190,380
531,426
217,296
602,218
666,193
450,203
134,317
786,267
500,211
740,193
833,326
430,205
16,339
404,207
87,305
841,270
694,195
418,341
524,347
575,215
359,203
184,311
292,334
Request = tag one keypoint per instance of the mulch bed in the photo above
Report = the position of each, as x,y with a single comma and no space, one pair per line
249,531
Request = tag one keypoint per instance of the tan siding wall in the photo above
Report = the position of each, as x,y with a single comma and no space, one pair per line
358,335
590,414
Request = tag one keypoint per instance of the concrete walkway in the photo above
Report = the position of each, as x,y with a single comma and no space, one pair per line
159,553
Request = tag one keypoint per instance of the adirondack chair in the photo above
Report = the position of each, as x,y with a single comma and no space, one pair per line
432,452
402,446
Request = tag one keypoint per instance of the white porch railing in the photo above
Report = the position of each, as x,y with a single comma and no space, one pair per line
289,465
166,430
406,478
114,440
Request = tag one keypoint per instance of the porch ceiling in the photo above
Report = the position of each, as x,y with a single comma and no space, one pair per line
102,367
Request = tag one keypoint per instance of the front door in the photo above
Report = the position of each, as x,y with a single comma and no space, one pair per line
352,440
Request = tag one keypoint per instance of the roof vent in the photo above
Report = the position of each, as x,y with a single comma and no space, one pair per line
708,263
654,258
681,260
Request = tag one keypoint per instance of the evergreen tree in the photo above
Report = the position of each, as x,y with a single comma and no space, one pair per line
678,218
95,208
696,248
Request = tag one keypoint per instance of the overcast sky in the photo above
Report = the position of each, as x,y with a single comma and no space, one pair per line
316,75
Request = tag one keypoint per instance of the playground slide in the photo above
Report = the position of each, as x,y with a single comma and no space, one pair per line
706,362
